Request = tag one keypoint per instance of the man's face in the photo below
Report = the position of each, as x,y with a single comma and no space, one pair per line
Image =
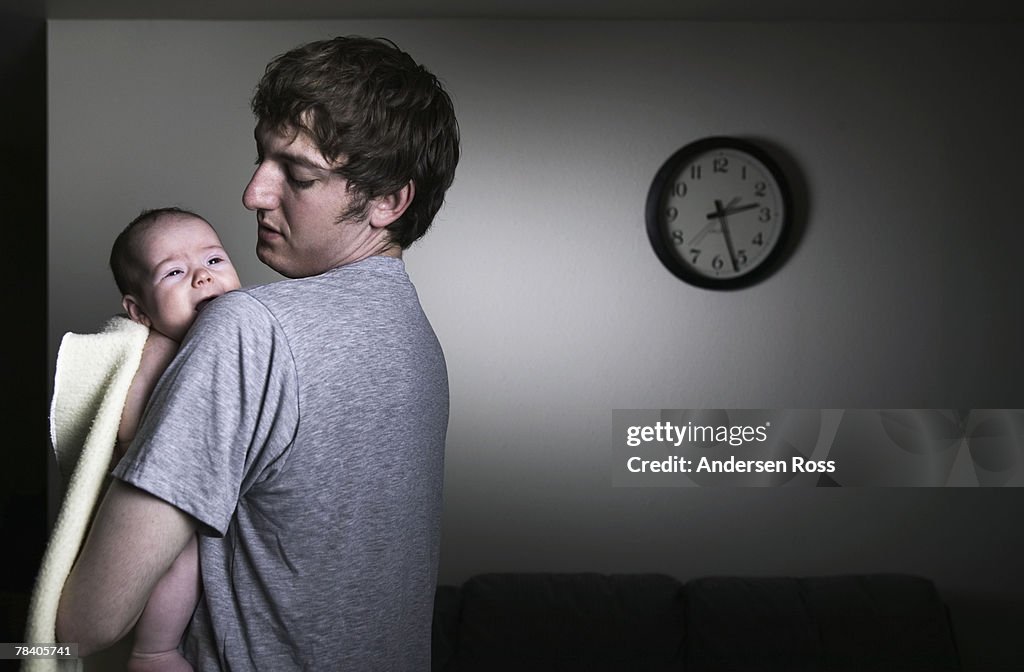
185,268
303,208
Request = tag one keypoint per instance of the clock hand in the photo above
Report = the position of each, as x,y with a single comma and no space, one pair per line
703,232
741,208
729,210
725,232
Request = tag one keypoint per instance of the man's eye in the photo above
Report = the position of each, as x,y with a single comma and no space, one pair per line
299,184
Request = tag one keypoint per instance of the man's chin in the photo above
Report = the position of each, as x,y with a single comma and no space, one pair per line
272,261
265,254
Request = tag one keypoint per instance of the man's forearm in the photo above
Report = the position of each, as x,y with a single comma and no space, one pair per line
133,541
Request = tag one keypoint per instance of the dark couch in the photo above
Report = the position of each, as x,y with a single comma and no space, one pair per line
652,622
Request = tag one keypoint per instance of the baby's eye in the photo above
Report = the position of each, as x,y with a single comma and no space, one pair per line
176,271
216,260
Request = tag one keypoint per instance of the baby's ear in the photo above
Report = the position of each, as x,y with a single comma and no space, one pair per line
135,311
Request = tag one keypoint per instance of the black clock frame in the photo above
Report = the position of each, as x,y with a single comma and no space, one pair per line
665,179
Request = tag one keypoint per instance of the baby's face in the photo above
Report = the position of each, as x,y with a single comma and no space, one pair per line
186,268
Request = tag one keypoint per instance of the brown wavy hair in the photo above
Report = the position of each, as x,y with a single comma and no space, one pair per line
369,105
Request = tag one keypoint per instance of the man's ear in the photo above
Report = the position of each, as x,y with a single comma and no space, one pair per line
135,312
387,209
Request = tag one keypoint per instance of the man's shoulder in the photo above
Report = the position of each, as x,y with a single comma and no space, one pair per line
242,310
232,305
256,299
256,310
237,323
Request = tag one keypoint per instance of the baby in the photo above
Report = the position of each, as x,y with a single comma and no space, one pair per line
168,264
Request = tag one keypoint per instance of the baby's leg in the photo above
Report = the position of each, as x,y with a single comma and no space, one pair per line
167,613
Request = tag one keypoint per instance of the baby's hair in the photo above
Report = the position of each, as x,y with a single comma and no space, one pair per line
124,255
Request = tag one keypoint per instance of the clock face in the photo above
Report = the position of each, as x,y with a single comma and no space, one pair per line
718,212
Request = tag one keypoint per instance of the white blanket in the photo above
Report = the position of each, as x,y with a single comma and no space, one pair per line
93,375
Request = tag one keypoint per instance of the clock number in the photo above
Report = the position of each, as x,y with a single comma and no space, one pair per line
680,189
760,188
743,172
696,253
765,214
671,214
720,165
717,263
741,257
677,237
758,239
695,171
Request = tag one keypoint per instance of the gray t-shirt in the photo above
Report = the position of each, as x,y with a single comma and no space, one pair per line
303,424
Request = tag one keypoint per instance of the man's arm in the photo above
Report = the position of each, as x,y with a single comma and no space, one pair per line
132,543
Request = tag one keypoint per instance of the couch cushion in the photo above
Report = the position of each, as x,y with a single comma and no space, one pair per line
568,622
862,623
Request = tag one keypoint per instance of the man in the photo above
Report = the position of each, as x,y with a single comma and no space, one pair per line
300,429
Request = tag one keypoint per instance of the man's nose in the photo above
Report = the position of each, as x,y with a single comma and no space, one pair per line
260,193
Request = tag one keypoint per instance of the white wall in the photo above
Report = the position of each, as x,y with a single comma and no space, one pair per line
904,292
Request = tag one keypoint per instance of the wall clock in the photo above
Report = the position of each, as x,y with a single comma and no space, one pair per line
718,213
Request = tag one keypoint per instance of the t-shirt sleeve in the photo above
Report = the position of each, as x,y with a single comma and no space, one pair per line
221,418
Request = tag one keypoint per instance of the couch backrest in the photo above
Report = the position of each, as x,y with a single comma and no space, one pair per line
835,623
563,622
654,623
